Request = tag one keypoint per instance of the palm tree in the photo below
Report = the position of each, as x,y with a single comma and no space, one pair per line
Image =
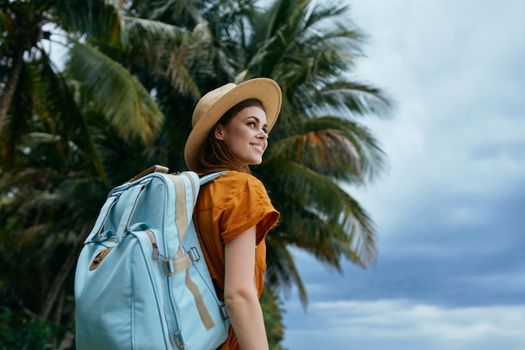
55,165
88,31
318,144
68,132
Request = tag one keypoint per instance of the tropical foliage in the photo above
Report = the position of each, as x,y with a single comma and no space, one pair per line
120,99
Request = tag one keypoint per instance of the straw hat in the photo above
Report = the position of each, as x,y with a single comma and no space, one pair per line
212,106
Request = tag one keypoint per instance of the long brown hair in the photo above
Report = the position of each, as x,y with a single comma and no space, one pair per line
214,155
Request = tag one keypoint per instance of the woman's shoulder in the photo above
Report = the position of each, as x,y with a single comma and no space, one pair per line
237,181
233,184
232,176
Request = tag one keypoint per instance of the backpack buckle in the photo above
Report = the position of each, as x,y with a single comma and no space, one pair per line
194,254
166,265
178,340
224,312
172,266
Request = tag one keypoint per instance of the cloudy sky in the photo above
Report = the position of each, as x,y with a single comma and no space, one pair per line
450,272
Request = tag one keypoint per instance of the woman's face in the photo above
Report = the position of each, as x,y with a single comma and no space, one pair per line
246,135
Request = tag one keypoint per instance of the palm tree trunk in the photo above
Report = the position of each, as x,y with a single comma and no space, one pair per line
60,278
69,337
11,84
57,285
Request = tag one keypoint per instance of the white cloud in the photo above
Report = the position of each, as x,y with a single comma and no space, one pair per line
401,324
450,201
454,69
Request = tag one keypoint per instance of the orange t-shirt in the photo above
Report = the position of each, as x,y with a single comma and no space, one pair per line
227,207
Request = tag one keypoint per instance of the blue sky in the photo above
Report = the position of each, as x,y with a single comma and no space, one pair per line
450,270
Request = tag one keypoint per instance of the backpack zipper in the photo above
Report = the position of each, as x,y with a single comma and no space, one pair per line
143,244
177,337
153,240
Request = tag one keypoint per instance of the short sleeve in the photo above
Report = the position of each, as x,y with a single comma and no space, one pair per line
250,206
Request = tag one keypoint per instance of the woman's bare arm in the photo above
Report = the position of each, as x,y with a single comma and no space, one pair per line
240,294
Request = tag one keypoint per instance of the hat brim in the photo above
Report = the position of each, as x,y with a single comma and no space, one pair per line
264,89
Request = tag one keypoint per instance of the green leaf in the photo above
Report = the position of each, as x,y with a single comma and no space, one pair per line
282,271
147,33
339,148
115,93
306,188
98,20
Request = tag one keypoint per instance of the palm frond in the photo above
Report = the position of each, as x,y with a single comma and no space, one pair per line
19,119
338,148
26,178
328,241
325,11
182,13
171,52
147,33
181,77
352,97
282,12
340,38
98,20
55,99
115,93
307,188
281,271
282,31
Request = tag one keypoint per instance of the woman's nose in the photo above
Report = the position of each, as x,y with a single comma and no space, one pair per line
262,134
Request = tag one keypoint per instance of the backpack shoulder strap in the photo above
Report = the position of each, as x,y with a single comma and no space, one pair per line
210,177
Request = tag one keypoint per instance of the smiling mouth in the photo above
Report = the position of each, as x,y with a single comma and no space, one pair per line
257,147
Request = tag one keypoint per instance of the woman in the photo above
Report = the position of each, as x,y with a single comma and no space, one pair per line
234,213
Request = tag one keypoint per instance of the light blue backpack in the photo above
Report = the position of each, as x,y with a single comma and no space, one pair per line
141,280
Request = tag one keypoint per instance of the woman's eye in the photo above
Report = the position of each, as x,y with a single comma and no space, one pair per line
251,124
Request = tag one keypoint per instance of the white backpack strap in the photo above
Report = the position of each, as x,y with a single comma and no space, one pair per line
182,214
210,177
183,261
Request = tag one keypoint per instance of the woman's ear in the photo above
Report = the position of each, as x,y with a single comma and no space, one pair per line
219,132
